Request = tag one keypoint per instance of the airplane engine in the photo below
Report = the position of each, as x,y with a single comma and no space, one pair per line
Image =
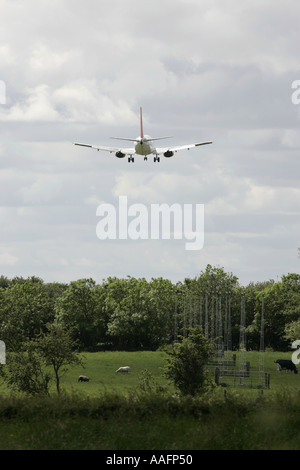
119,154
168,154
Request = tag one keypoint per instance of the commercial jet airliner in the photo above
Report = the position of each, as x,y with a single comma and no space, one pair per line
143,145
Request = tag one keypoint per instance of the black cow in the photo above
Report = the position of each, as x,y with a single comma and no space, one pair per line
285,364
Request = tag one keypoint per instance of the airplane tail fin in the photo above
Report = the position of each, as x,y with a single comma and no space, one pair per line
141,132
141,121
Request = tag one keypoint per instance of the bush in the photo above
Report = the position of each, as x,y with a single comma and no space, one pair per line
186,363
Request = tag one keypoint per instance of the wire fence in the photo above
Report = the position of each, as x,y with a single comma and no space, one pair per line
245,378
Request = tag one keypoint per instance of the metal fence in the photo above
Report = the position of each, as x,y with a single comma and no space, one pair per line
244,378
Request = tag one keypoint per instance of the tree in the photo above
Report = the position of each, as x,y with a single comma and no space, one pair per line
80,308
139,312
28,370
4,282
214,279
57,349
291,287
25,308
292,331
281,309
187,361
25,372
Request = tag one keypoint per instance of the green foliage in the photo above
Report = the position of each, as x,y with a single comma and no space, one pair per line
25,372
148,384
139,312
281,309
136,314
80,309
25,308
56,347
213,279
213,421
292,331
186,363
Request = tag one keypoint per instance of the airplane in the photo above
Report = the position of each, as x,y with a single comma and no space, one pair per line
143,145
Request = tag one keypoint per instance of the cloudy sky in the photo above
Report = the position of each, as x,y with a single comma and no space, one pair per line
78,71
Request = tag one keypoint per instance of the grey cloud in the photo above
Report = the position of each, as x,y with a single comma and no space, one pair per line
201,70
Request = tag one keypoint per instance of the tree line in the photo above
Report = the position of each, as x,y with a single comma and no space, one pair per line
136,314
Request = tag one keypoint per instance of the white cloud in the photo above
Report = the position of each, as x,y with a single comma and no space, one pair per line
291,138
7,258
44,60
79,71
42,190
37,106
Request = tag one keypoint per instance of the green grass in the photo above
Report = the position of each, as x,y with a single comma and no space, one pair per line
110,413
100,368
213,422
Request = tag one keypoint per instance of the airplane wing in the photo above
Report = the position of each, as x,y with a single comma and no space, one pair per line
124,151
163,150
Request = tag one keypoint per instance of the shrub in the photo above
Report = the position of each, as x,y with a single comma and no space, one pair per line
186,363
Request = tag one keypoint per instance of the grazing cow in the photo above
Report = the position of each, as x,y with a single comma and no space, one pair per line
83,378
123,369
285,364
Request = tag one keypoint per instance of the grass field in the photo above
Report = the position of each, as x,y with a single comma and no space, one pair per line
108,413
100,367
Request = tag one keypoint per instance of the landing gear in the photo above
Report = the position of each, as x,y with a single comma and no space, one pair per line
156,159
130,159
145,159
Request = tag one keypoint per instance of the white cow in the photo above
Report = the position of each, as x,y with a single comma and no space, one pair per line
123,369
83,378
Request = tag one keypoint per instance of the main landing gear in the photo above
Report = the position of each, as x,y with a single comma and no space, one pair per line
156,159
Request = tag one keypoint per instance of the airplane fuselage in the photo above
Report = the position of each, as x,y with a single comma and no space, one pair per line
142,146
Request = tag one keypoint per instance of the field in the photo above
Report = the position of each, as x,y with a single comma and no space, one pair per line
111,412
100,367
